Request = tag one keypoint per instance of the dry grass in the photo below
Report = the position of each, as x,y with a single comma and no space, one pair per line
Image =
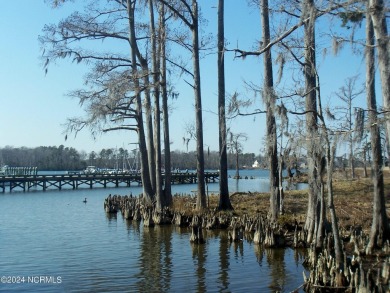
352,199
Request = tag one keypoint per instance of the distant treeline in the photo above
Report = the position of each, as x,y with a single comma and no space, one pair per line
45,158
65,158
184,160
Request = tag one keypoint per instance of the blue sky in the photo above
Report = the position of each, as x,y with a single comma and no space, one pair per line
34,106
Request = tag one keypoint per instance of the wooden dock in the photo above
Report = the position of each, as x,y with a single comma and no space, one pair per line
74,181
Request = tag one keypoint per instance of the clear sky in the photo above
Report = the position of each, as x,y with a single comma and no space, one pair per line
34,106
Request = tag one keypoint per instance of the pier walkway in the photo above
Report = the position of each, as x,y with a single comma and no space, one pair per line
74,181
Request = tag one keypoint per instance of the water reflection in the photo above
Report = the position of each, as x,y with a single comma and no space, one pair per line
155,261
276,267
238,248
300,255
111,217
133,227
275,260
224,262
97,252
166,257
199,257
160,268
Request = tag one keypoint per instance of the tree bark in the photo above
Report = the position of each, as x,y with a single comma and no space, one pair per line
313,144
201,197
329,156
224,199
351,154
270,103
148,123
155,56
194,27
280,192
148,118
237,161
164,96
379,228
147,188
378,16
332,211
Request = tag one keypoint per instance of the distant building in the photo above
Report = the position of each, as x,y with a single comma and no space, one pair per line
256,164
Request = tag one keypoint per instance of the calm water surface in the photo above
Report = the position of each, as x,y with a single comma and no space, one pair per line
77,247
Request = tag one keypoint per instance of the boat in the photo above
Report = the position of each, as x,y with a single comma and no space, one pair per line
6,170
3,170
91,170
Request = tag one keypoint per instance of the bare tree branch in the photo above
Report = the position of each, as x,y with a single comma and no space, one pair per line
243,53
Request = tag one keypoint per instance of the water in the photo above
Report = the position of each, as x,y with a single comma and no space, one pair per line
52,242
253,180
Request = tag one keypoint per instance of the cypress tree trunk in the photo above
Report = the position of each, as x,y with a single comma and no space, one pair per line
148,123
280,192
164,96
378,16
269,98
380,227
237,161
224,200
351,154
147,188
332,211
201,197
157,125
313,156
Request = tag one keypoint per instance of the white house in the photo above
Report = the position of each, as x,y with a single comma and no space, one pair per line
256,164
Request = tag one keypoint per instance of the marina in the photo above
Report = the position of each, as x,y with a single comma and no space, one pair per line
74,181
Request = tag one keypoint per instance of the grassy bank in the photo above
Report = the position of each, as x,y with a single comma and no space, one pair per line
352,198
